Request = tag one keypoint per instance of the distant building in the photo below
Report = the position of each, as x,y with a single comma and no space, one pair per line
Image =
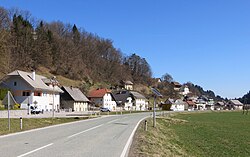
73,99
124,99
179,105
103,98
219,105
234,104
184,90
177,86
140,102
128,85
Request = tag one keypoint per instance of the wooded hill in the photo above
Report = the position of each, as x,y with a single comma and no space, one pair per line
64,49
77,57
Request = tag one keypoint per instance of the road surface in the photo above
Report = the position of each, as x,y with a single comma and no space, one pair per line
100,137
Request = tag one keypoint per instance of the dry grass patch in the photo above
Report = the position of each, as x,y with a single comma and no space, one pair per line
156,142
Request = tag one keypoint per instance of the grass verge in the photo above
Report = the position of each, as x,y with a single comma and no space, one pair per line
194,134
32,123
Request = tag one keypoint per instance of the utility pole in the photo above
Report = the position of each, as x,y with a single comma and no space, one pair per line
156,94
8,109
154,115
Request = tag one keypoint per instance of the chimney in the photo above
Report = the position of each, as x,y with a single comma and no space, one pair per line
33,75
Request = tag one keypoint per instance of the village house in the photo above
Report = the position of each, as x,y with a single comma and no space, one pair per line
128,85
102,98
210,104
191,105
167,104
30,89
184,90
123,99
201,103
73,99
177,86
219,105
234,104
179,105
140,102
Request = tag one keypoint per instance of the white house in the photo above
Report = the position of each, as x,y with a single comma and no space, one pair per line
178,105
234,104
34,90
123,99
128,85
103,98
201,104
184,90
140,102
73,99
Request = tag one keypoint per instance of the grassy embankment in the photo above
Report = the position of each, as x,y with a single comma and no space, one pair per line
195,134
32,123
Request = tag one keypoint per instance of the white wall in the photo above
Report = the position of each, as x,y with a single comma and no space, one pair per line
80,106
108,102
128,105
140,104
179,107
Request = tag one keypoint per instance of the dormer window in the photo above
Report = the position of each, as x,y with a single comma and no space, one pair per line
15,83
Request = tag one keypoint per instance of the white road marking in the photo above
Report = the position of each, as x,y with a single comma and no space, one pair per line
35,150
85,131
126,148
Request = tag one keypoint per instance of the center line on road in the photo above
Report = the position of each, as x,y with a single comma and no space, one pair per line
35,150
85,131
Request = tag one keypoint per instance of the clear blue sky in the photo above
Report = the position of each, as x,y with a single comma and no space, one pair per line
206,42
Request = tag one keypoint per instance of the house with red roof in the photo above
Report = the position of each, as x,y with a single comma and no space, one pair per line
102,98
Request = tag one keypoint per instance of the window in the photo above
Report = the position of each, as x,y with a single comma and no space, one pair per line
15,83
36,93
26,93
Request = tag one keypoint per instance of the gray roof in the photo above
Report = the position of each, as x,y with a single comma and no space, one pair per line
38,83
180,102
137,95
76,94
128,83
236,102
121,96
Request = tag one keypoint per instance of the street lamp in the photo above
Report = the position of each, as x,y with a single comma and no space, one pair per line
156,94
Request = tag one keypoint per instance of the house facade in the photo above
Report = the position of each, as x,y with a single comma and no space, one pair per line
72,99
177,86
123,99
103,98
128,85
30,89
234,104
140,102
178,105
184,90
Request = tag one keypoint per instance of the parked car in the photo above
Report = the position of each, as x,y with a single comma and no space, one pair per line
103,109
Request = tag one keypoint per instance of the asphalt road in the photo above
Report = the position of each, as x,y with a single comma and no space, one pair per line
101,137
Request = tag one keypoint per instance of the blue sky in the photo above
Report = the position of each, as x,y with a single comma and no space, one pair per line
206,42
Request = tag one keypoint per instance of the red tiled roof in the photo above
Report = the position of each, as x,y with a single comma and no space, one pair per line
190,103
98,93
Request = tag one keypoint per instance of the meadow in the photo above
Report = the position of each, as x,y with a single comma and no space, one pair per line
195,134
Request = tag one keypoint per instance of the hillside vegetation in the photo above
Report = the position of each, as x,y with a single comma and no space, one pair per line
76,57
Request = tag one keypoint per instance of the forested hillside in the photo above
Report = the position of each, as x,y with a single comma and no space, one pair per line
64,49
77,57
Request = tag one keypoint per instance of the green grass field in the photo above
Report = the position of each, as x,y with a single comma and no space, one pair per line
214,134
32,123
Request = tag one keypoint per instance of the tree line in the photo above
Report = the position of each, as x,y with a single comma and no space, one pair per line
65,49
